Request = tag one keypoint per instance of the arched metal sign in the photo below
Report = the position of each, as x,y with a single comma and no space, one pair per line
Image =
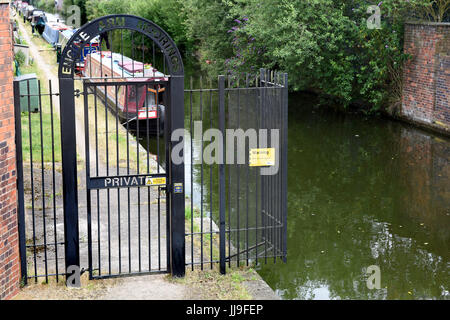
135,75
88,32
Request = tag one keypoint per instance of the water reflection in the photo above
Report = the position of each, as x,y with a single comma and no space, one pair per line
363,192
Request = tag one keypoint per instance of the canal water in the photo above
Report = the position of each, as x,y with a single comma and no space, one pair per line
362,191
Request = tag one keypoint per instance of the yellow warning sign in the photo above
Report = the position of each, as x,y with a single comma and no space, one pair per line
155,181
262,157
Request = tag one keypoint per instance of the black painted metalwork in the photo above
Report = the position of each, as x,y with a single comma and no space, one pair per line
222,185
69,172
237,213
39,184
126,242
127,90
104,25
135,198
20,183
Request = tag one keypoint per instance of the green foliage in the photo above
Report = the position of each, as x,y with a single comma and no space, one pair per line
20,57
46,5
83,8
188,213
168,14
324,45
207,23
98,8
437,11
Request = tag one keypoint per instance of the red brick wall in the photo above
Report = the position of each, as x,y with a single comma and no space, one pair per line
426,92
9,243
442,106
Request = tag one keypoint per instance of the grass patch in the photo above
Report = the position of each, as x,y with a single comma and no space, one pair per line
45,144
188,213
211,285
34,118
37,40
206,244
90,289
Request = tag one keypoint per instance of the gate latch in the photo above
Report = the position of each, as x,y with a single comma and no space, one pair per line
77,93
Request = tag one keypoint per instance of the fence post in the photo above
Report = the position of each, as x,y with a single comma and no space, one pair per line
284,162
222,208
263,143
20,189
69,168
176,176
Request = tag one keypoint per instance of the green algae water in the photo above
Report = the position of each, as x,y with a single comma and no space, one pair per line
362,192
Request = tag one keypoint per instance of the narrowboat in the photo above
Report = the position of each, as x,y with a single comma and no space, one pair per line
64,37
52,30
137,105
53,18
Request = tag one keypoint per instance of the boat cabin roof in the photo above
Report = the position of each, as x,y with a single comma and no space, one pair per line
67,34
52,18
128,67
57,26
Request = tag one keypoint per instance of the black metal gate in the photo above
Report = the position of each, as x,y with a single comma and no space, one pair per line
113,200
135,70
126,200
